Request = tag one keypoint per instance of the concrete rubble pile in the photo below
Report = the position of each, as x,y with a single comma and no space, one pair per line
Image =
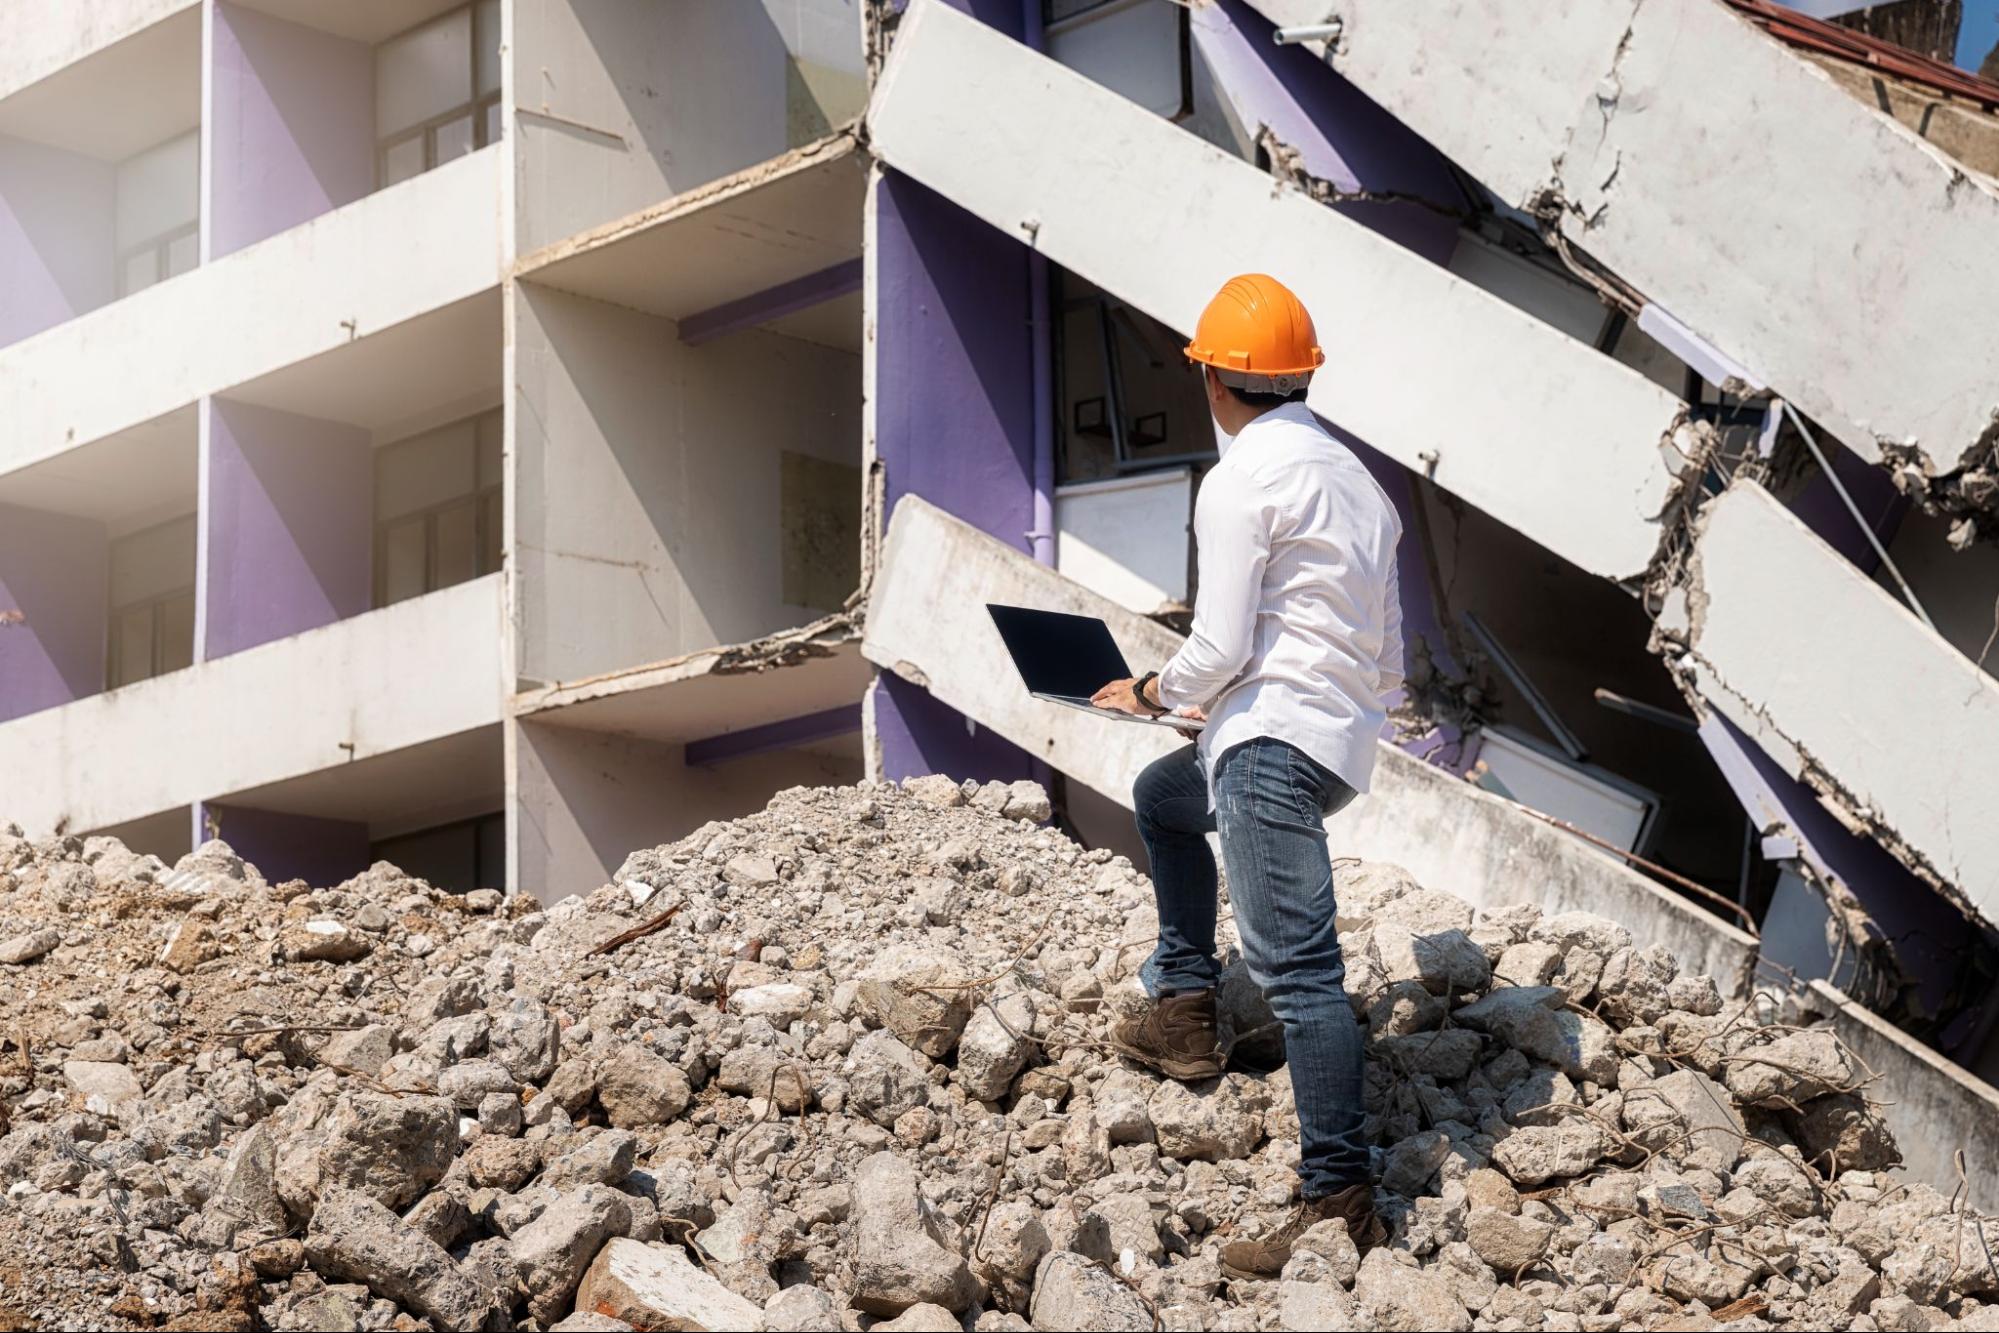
859,1079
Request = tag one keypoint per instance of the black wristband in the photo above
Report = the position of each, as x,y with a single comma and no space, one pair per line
1138,693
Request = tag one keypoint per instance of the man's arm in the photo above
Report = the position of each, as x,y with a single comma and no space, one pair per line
1233,519
1391,634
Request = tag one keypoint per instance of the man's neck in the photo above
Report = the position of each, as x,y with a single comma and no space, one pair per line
1240,417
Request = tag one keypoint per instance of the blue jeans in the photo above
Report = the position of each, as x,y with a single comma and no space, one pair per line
1270,804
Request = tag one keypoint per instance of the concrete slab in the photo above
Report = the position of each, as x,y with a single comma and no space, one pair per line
106,78
1729,179
1530,425
332,696
1837,681
715,692
758,229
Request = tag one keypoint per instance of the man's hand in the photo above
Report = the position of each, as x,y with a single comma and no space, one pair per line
1118,696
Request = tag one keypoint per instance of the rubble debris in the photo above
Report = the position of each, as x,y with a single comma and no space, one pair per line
898,1110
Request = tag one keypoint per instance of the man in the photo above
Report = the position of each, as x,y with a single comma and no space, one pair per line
1297,636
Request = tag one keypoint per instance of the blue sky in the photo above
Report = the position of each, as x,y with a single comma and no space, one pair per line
1980,31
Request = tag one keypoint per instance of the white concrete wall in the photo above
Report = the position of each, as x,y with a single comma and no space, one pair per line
1128,538
56,222
35,43
1453,836
1842,685
343,275
1933,1107
1801,231
1531,426
646,479
273,712
622,103
585,800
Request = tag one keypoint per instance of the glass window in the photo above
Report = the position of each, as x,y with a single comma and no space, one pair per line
405,561
438,510
454,138
132,646
427,471
173,633
142,270
151,603
181,252
486,51
457,544
492,529
437,91
403,160
423,74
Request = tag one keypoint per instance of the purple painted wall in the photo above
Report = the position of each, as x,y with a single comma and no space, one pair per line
322,852
56,219
919,735
1342,135
954,423
56,571
288,542
293,117
1818,505
1928,932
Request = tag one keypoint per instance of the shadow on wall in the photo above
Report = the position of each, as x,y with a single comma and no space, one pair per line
713,86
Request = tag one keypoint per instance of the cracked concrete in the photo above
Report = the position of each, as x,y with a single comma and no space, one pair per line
1752,597
1692,154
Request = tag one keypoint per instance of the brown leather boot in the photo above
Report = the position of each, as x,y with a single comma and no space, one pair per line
1176,1037
1266,1256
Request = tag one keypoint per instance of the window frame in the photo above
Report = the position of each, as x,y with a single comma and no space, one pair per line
155,607
161,247
488,507
427,130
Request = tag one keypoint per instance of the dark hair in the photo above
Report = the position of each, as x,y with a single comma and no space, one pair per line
1263,402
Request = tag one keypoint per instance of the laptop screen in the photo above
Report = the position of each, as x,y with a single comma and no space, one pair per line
1058,653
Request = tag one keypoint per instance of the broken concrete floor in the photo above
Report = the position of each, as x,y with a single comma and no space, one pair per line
842,1064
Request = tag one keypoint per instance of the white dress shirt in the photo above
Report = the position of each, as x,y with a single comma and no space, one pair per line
1297,625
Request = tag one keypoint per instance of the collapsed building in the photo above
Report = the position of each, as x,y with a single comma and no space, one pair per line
549,427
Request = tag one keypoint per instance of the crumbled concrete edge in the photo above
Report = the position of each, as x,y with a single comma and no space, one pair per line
786,648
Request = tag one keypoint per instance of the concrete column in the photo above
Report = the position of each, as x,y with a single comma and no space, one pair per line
56,218
291,126
283,846
54,571
288,526
954,423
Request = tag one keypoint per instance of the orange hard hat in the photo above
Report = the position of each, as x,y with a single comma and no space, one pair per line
1258,336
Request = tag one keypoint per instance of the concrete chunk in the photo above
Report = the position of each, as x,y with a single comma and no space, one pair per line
659,1287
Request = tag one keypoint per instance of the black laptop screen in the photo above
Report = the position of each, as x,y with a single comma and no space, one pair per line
1059,653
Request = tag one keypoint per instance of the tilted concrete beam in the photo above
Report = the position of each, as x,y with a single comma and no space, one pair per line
927,621
1809,236
1896,729
1531,426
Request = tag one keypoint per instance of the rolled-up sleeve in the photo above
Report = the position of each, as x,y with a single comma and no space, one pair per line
1391,635
1233,521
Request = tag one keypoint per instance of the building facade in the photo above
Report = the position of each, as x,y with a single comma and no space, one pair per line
497,436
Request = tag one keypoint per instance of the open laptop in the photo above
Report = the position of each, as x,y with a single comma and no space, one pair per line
1065,659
